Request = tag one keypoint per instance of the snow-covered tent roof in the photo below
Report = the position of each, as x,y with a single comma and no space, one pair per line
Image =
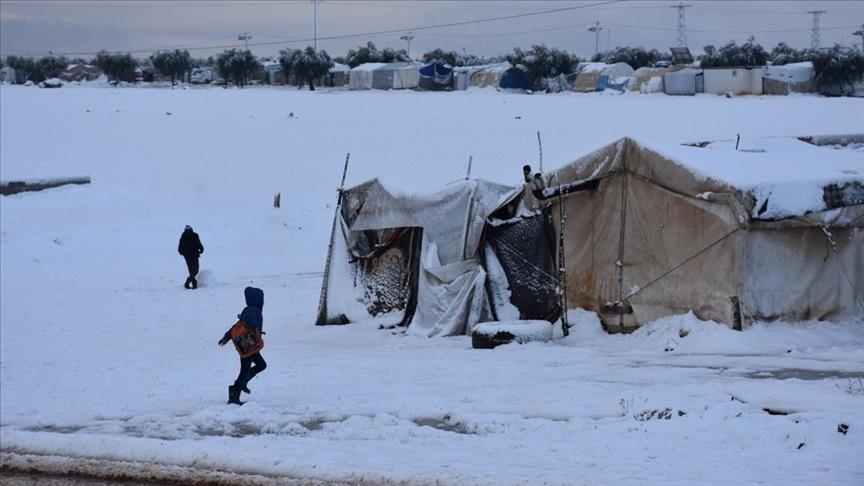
772,230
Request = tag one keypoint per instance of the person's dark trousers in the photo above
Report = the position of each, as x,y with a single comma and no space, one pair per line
192,265
247,371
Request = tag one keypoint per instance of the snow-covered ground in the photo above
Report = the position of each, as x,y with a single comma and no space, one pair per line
104,356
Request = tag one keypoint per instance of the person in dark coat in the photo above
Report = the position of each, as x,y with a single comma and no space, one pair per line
191,248
250,366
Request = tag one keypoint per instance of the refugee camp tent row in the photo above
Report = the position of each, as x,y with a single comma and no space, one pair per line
648,234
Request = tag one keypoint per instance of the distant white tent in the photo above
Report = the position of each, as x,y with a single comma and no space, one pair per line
462,76
361,76
396,75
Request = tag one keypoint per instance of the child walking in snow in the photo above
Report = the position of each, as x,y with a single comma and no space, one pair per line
246,335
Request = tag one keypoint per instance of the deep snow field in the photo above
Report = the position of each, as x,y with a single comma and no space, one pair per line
104,356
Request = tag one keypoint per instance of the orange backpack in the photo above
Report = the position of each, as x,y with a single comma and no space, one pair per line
246,338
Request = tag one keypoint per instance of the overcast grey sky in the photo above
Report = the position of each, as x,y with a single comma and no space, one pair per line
204,27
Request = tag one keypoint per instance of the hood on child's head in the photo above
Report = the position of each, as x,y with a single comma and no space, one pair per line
254,296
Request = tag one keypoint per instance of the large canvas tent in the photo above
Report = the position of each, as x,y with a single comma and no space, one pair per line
734,236
425,262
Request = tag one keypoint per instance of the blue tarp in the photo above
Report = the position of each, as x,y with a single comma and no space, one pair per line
605,83
514,78
436,76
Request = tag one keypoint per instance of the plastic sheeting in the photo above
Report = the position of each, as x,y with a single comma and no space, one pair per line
444,271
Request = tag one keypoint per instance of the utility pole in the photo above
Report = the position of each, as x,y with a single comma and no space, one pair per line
315,3
682,24
408,38
815,41
245,38
860,33
596,29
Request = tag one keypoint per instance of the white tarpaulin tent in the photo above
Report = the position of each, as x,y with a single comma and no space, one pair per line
396,75
411,260
360,77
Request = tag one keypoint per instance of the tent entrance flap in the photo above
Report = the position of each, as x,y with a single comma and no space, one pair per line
386,264
525,249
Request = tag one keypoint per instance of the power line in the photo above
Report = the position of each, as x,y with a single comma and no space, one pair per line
383,32
506,34
706,31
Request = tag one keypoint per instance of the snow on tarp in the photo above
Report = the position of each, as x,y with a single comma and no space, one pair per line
785,176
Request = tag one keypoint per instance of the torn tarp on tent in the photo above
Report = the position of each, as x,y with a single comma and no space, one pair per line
412,260
524,246
436,76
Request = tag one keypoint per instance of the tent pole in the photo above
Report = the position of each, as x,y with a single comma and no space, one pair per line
322,299
562,269
620,262
540,145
